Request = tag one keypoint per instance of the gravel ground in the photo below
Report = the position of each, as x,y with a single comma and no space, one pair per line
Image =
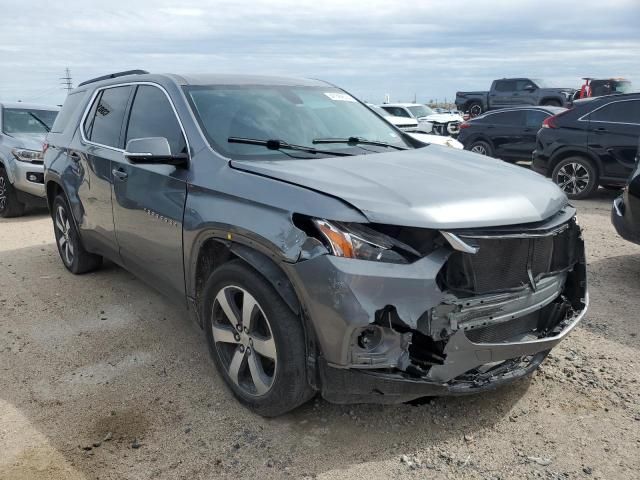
100,377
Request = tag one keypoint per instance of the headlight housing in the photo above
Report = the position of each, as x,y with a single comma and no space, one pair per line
27,155
361,242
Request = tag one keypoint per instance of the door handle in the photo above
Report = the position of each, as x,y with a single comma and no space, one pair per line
120,174
601,129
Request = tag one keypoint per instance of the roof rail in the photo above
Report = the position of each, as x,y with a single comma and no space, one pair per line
113,75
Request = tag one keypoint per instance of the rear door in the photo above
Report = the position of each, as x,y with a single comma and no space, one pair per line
148,203
101,140
507,132
501,95
614,129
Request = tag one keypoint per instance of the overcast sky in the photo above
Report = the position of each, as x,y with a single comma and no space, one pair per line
371,48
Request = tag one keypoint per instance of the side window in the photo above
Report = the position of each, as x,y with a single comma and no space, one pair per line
505,86
106,116
520,84
152,116
535,118
618,112
513,118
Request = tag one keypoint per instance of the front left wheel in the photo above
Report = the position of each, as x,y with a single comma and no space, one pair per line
75,258
256,341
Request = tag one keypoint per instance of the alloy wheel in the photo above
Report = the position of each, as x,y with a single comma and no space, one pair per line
479,149
3,194
475,110
63,227
244,340
573,178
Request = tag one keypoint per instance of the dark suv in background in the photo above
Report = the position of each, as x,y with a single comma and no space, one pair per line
625,213
508,134
592,144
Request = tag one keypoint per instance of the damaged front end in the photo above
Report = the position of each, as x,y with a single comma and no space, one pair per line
437,313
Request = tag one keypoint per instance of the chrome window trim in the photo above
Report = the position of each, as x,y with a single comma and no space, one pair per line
583,119
126,84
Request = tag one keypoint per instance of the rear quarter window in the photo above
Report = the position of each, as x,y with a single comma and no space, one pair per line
70,107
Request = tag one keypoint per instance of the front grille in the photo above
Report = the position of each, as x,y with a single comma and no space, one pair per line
507,263
505,331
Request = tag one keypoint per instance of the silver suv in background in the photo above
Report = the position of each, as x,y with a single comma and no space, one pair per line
22,131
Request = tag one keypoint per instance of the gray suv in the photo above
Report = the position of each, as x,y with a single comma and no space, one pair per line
320,248
22,131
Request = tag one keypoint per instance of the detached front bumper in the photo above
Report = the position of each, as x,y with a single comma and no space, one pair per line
390,333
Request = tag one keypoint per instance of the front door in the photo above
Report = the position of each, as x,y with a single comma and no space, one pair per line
148,203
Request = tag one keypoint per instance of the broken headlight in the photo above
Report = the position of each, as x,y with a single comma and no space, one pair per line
354,240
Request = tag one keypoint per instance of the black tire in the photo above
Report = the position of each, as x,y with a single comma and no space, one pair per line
482,148
10,206
551,103
577,177
474,109
288,386
73,255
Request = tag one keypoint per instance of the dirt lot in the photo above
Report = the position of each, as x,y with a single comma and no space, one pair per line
100,377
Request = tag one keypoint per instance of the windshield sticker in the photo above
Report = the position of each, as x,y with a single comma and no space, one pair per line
340,97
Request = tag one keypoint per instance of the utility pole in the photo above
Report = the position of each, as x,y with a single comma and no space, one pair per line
66,82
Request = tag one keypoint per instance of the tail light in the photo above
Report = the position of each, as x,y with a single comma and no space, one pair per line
550,122
464,125
45,146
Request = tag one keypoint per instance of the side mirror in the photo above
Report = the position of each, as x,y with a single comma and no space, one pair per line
530,87
153,150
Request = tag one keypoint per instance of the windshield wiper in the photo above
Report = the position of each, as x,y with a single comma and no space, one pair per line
358,140
274,144
40,121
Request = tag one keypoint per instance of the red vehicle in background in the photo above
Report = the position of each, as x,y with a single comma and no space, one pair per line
600,87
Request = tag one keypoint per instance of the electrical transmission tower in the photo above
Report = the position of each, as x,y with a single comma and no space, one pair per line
66,81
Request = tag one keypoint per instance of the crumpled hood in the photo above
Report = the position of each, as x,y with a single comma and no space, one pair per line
431,187
443,118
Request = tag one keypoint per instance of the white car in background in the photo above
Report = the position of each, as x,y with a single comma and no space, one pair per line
410,126
406,124
428,120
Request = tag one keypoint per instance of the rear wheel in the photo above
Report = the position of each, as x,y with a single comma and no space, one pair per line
576,177
75,258
256,341
9,204
481,147
474,109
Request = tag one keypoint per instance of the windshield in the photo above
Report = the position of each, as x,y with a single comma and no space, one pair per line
419,111
540,83
292,114
29,121
621,86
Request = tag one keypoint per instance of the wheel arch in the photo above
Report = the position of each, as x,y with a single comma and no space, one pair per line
551,98
573,152
215,252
